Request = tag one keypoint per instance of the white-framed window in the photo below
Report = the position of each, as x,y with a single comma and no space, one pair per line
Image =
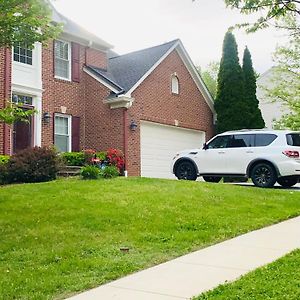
62,132
22,54
62,57
174,84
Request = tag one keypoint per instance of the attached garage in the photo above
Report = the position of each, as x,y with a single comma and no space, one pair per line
159,144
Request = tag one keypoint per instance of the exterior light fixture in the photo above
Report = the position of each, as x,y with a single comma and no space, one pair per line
46,118
133,126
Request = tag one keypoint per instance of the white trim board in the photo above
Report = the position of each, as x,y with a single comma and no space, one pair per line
100,80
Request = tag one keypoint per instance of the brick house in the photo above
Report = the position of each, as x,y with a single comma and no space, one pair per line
150,103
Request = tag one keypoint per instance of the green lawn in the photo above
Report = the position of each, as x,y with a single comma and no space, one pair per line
277,281
63,237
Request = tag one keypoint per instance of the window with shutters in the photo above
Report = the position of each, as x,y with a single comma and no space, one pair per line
62,57
62,133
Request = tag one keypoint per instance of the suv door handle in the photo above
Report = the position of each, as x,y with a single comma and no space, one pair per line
250,151
221,152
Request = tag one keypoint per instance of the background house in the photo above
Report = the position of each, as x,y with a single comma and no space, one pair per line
150,103
270,110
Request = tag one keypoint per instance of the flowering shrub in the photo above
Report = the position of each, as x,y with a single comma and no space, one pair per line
115,158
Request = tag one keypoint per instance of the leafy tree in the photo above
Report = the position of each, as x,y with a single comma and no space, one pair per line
26,22
14,113
286,83
272,10
230,106
210,77
255,120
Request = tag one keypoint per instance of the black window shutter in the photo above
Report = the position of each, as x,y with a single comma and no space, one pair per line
75,134
75,62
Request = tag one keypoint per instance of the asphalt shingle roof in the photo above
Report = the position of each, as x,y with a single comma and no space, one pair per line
126,70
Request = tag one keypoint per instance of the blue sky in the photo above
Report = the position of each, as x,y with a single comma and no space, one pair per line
135,24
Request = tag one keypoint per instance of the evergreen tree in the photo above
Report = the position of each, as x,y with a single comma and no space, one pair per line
255,120
231,109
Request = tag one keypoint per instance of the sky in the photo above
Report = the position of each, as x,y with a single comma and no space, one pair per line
132,25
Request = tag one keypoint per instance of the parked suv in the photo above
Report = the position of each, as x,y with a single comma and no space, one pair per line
264,156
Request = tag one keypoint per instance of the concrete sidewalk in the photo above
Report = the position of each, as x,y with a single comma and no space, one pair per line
192,274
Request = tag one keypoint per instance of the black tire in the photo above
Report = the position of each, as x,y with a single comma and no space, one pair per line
288,181
185,170
263,175
214,179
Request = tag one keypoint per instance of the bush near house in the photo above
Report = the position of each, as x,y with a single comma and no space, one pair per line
90,172
109,172
73,158
111,157
38,164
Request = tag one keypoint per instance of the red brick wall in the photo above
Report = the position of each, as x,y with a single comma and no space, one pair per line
100,127
96,58
155,102
58,93
104,126
5,91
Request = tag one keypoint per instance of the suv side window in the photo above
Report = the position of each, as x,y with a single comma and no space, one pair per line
264,139
241,140
219,142
293,139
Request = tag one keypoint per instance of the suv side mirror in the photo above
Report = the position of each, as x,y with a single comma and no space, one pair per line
205,146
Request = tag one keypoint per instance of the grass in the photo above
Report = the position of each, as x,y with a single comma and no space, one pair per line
277,281
62,237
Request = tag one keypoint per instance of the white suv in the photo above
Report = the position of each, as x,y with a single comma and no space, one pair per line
262,155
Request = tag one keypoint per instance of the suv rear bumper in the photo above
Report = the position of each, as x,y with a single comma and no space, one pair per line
289,168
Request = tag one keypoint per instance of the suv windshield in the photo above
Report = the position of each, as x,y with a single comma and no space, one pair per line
293,139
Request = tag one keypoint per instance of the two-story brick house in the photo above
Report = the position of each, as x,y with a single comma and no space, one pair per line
149,103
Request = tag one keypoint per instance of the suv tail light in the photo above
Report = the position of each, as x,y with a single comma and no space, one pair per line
291,154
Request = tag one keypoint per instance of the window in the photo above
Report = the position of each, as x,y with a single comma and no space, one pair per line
62,133
293,139
219,142
23,54
265,139
241,140
174,84
21,99
62,53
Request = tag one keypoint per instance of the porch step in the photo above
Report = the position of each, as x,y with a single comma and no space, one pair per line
69,171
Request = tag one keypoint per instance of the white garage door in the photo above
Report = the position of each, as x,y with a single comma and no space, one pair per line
159,144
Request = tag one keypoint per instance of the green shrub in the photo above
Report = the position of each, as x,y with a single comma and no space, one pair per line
38,164
3,173
109,172
90,172
101,155
4,159
73,158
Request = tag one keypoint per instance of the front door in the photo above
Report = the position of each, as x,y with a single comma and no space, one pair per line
22,135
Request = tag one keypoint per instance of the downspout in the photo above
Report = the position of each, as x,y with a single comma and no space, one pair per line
125,141
7,70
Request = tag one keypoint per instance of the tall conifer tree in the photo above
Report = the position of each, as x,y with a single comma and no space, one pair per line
255,120
230,105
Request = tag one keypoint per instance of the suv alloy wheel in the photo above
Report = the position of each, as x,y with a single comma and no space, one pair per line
185,170
263,175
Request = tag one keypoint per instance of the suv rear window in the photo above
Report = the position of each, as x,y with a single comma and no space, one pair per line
264,139
293,139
